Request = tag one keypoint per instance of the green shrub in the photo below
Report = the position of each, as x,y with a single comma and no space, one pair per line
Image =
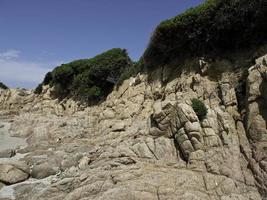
89,79
3,86
214,27
94,91
199,108
38,89
48,78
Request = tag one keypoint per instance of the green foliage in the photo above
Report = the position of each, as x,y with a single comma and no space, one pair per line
38,89
89,79
199,108
48,78
213,27
3,86
94,91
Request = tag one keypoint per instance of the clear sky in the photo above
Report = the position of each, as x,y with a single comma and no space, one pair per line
38,35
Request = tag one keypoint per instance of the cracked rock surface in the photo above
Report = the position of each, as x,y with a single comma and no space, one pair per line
143,142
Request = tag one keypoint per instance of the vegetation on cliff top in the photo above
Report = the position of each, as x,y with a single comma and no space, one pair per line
213,27
89,79
3,86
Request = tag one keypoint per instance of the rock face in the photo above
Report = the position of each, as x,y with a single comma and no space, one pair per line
257,122
146,141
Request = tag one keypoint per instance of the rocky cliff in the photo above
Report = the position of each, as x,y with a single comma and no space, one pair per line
144,141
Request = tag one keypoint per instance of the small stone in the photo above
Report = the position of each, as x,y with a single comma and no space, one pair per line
83,177
84,162
118,126
109,114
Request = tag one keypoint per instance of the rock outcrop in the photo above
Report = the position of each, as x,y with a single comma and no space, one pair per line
256,121
145,141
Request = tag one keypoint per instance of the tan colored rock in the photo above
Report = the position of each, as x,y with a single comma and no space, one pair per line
118,126
43,170
145,141
10,174
84,162
256,126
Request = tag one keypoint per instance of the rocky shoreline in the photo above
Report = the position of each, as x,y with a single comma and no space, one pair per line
144,142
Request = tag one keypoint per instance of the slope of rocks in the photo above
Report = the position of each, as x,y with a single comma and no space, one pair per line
145,141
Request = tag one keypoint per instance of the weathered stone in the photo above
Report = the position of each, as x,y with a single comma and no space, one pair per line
228,94
187,148
197,145
109,114
43,170
192,127
7,153
145,141
84,162
181,136
10,174
118,126
1,185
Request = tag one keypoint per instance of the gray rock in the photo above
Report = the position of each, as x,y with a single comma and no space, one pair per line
118,126
1,185
7,153
43,170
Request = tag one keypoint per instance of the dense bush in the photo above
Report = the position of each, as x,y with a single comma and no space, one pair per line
89,79
38,89
48,78
3,86
215,26
199,108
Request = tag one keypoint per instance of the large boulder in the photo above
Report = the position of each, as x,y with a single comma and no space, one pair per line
10,174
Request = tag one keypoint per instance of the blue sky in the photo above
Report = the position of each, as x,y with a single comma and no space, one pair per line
38,35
